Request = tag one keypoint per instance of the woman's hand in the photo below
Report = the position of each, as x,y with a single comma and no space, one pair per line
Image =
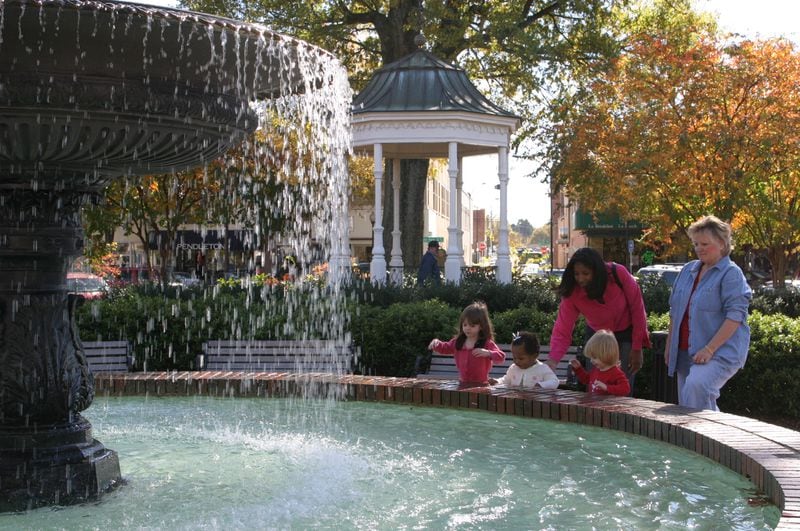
575,364
434,344
635,360
481,353
702,356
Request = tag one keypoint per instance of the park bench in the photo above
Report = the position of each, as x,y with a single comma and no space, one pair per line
444,366
279,355
108,356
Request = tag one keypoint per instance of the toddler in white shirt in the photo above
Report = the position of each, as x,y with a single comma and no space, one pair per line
527,371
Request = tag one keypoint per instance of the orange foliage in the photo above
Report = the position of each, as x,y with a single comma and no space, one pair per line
673,132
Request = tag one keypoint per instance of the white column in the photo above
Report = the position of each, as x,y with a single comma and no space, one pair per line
503,254
460,220
452,266
377,267
396,262
340,269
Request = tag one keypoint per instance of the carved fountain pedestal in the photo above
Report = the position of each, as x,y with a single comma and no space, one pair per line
47,452
89,92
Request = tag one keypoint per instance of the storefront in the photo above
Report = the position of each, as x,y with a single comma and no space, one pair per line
211,253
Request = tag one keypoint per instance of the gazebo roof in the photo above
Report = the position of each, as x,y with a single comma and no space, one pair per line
422,82
418,105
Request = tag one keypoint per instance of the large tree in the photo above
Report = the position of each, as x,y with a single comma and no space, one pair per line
687,124
512,49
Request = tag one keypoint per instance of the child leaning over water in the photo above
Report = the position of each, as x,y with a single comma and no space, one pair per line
527,371
473,348
605,378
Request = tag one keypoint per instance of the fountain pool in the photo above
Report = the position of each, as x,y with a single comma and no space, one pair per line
212,463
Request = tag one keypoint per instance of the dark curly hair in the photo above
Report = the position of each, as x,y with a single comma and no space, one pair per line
528,342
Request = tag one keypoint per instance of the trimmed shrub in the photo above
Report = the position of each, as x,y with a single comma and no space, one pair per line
392,338
394,325
767,383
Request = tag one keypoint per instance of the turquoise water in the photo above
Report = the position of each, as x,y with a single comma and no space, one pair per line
205,463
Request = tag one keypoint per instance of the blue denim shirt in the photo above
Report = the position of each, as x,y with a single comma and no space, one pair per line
721,294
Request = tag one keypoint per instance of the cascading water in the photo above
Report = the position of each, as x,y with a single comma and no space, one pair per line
92,91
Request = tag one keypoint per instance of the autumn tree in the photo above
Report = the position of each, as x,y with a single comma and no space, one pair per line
513,49
682,127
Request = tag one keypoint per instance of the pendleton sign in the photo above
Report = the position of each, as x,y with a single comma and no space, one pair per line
211,240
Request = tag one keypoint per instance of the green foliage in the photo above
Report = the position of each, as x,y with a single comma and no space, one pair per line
534,292
766,386
392,338
655,294
393,326
786,302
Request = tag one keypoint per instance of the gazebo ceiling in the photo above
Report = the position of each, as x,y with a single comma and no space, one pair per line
415,106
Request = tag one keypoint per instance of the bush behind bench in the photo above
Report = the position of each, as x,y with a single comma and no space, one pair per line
392,326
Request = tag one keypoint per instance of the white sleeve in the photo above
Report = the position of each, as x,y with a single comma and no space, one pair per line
548,380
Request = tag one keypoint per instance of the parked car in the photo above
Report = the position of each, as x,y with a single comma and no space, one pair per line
530,269
666,273
554,273
789,284
86,285
184,280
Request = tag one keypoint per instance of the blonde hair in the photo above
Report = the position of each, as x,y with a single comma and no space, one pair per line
603,346
717,228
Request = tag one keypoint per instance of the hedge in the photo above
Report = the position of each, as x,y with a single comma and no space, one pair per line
393,326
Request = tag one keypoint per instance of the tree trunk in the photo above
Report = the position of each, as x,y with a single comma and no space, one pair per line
413,179
777,259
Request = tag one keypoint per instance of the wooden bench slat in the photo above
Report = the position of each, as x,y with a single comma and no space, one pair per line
280,355
107,356
444,366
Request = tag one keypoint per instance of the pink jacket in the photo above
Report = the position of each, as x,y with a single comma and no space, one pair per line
621,308
472,369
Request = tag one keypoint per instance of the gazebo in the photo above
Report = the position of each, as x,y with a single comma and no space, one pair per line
421,107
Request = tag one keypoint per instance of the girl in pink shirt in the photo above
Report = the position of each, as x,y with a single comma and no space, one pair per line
474,348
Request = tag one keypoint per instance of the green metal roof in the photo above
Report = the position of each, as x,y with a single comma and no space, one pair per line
422,82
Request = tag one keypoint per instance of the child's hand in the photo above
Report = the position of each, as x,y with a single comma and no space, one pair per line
574,364
433,344
600,385
481,353
492,381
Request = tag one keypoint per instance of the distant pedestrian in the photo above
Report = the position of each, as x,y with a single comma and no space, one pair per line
429,266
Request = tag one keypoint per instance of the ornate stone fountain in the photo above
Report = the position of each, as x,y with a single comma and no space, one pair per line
91,91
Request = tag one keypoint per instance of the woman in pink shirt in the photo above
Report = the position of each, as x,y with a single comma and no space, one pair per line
608,296
474,348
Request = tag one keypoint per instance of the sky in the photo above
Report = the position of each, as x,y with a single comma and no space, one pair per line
527,196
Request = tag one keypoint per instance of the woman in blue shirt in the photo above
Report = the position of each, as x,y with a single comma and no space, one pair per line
708,333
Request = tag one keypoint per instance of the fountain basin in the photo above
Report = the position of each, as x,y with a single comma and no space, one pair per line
283,463
769,456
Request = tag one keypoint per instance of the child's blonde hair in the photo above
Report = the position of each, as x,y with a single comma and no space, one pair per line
603,346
